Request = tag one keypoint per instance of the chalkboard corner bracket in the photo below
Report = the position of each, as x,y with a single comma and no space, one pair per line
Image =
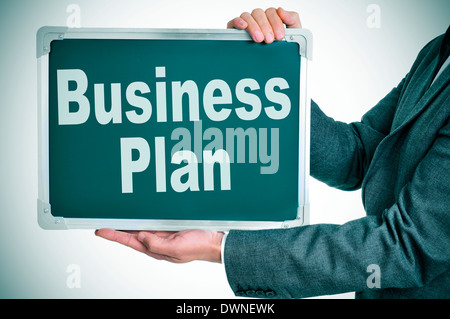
45,218
303,38
44,37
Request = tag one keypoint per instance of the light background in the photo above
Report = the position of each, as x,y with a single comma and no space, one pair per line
354,67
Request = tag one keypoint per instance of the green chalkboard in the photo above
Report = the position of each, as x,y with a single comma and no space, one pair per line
171,129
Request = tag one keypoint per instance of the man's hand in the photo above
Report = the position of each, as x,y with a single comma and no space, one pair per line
266,25
177,247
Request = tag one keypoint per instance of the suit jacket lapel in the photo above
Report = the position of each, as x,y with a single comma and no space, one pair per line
406,116
429,95
420,95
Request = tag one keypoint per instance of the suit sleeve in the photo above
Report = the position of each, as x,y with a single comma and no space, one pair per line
408,242
340,152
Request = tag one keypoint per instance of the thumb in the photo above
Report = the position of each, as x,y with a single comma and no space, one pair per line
290,18
153,243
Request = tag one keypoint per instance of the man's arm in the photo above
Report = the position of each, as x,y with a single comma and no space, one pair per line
408,242
340,153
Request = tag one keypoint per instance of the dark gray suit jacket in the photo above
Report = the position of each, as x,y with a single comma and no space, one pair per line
399,154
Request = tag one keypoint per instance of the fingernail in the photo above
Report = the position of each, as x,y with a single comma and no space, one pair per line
279,35
141,236
269,38
258,36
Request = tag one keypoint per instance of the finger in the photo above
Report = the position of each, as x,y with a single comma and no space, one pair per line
128,239
276,23
252,27
106,233
261,19
237,23
290,18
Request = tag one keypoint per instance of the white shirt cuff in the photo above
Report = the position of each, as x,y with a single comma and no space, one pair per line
222,248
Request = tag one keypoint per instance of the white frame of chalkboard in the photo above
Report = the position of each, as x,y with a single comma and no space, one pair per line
46,220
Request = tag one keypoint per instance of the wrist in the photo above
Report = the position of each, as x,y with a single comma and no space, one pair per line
216,247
